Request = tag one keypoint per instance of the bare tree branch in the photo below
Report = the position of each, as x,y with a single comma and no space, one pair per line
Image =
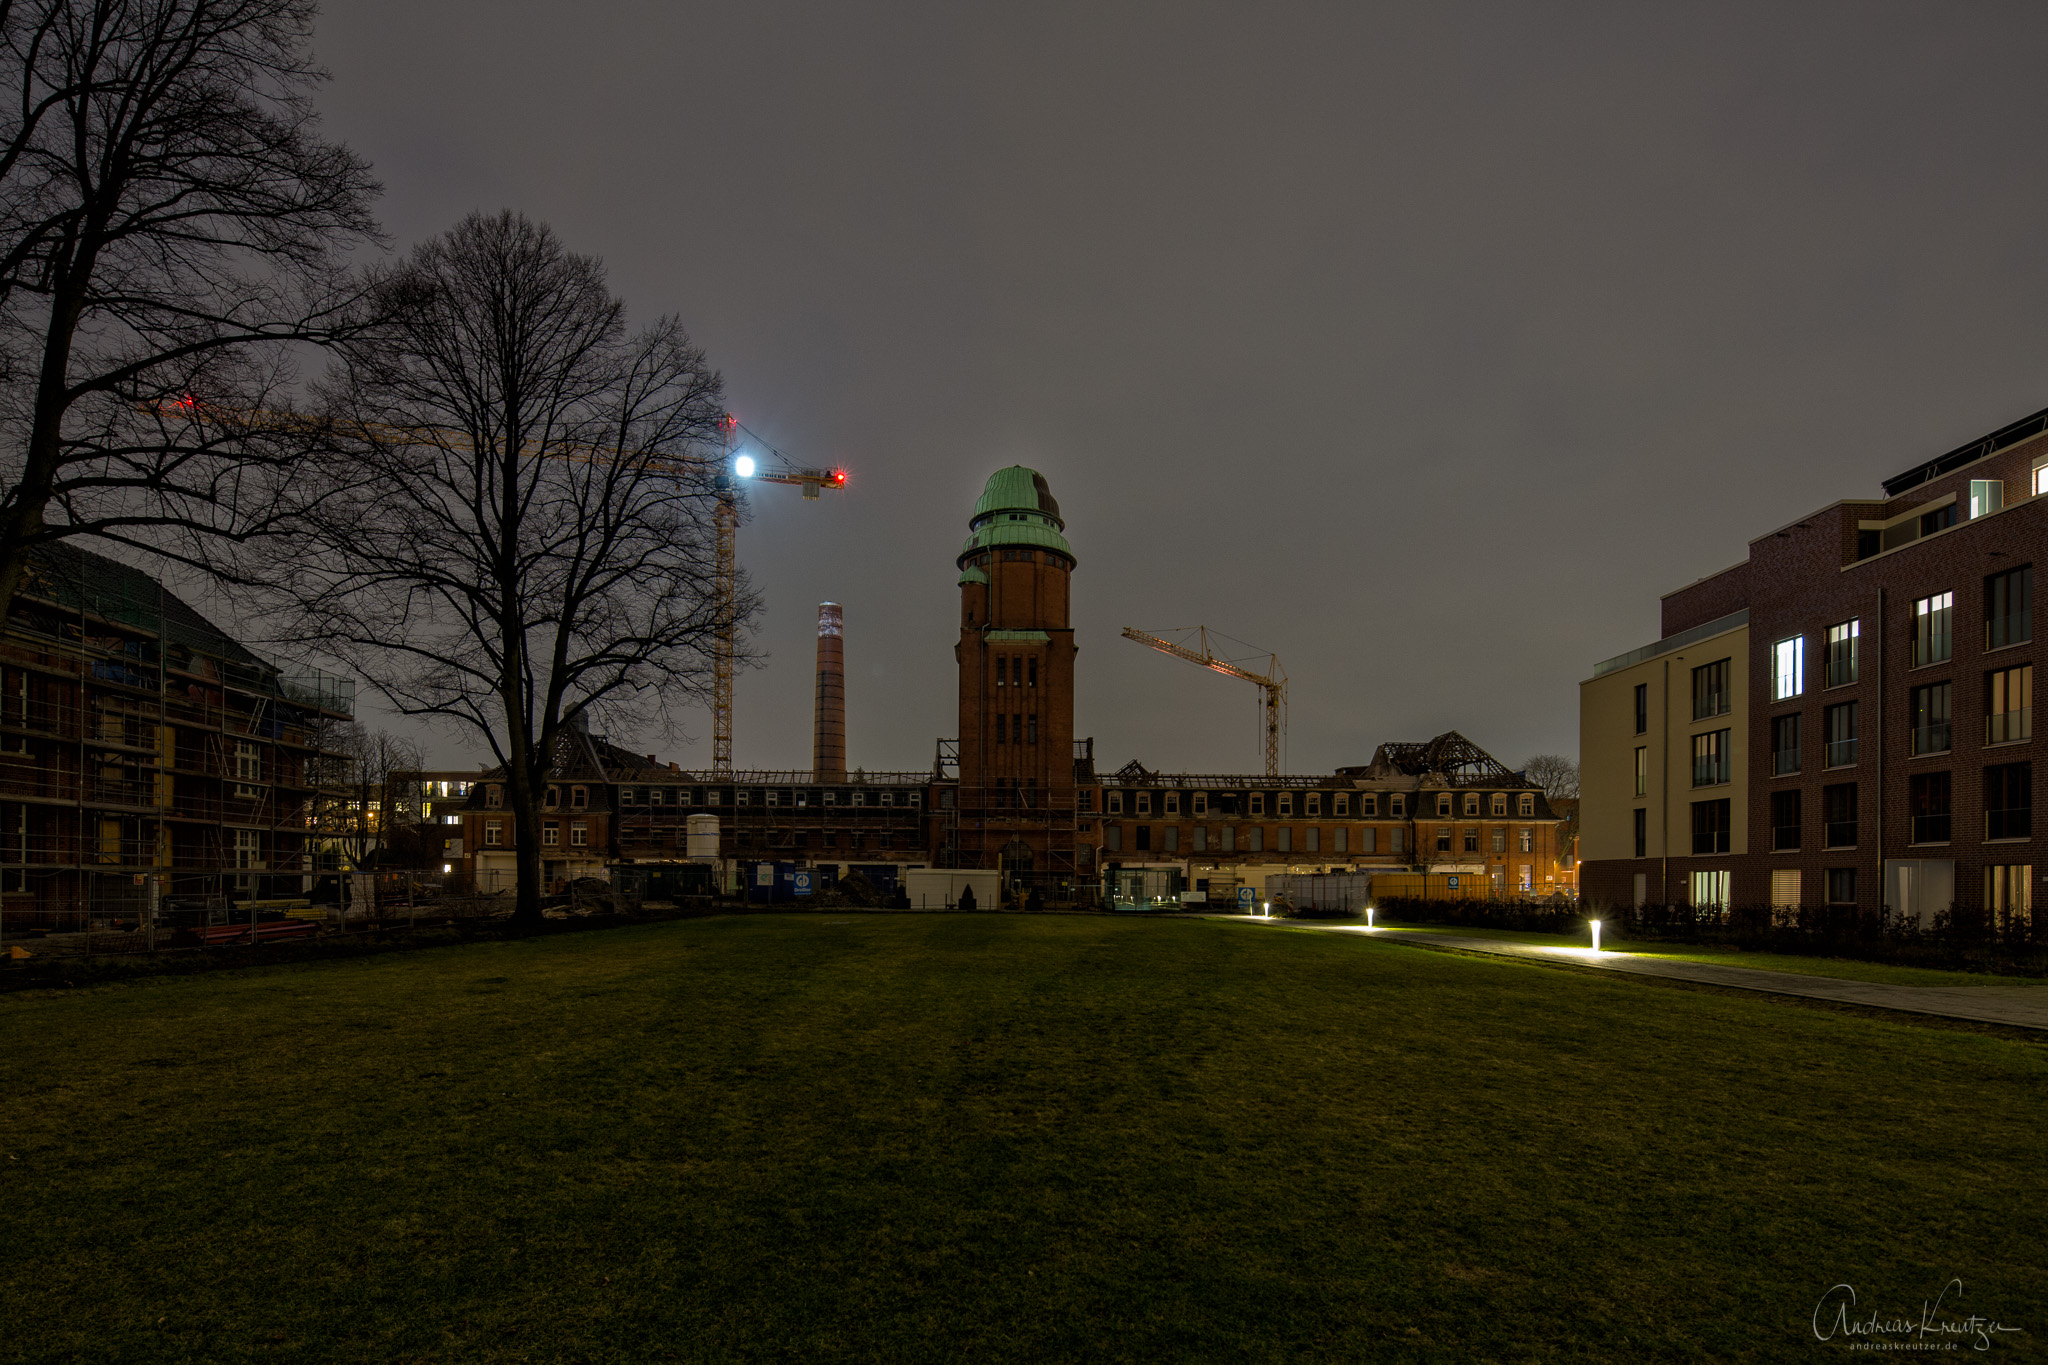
512,525
170,224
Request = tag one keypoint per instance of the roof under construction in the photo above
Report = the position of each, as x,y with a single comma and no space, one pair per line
1450,758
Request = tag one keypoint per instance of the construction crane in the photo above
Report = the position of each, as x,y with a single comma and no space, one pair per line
1272,683
739,467
733,468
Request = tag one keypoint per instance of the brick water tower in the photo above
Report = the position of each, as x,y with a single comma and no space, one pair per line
1016,660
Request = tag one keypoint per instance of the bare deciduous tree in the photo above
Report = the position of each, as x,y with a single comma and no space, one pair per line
510,531
170,224
355,806
1556,774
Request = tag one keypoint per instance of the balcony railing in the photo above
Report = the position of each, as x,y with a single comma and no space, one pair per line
2009,823
1931,739
2003,726
1784,838
1841,834
1784,761
1841,752
1930,829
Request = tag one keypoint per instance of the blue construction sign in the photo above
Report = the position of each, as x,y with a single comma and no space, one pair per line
1244,897
803,883
1453,879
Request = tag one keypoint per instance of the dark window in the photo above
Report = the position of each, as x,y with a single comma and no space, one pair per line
1017,727
1785,744
1002,728
1929,797
1842,649
1841,886
1839,803
1711,695
1642,832
2008,615
1710,826
1031,730
1711,764
2009,801
1642,707
1939,520
1785,820
1144,837
1930,718
1841,721
1032,679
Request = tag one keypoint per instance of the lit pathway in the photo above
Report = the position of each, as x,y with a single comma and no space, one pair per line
2013,1006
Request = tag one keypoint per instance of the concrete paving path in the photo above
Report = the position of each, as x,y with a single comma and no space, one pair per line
2012,1006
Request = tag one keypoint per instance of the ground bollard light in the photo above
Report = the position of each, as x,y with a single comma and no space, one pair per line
1596,934
1368,917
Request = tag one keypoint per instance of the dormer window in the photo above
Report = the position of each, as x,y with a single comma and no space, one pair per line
1286,803
554,796
1500,803
1471,803
1258,803
579,797
1528,803
494,797
1315,804
1443,803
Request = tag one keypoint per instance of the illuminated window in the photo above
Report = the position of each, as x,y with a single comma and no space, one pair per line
1788,668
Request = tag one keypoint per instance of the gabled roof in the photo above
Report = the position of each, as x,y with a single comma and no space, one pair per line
76,579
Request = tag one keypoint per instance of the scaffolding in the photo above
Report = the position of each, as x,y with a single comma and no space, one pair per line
148,762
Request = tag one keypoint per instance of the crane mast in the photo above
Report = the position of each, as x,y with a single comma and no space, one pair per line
1272,683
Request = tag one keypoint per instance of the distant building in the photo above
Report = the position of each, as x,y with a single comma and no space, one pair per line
146,755
1844,719
1015,792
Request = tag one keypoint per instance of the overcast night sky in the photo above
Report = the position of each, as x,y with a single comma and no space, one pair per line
1425,345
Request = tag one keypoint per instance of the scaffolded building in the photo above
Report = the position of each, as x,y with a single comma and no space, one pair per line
148,759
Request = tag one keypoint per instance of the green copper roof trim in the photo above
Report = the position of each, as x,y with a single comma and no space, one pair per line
1017,637
970,574
1016,533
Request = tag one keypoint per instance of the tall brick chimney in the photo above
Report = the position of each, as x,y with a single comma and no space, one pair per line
828,735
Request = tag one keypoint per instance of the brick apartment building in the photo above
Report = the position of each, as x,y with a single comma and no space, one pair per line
1844,718
1016,792
146,756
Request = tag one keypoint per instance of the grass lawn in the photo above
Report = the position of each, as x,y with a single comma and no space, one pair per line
989,1138
1845,969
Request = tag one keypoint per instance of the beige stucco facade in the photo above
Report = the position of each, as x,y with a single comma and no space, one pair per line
1612,744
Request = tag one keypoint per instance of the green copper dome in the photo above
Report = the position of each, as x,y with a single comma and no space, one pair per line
1017,508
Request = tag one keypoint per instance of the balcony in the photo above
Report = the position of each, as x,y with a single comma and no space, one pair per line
1785,838
1841,834
1931,829
2004,727
1783,763
1931,739
1841,752
2010,823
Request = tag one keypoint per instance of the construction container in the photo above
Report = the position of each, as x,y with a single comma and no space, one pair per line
700,839
939,888
1435,886
1334,893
